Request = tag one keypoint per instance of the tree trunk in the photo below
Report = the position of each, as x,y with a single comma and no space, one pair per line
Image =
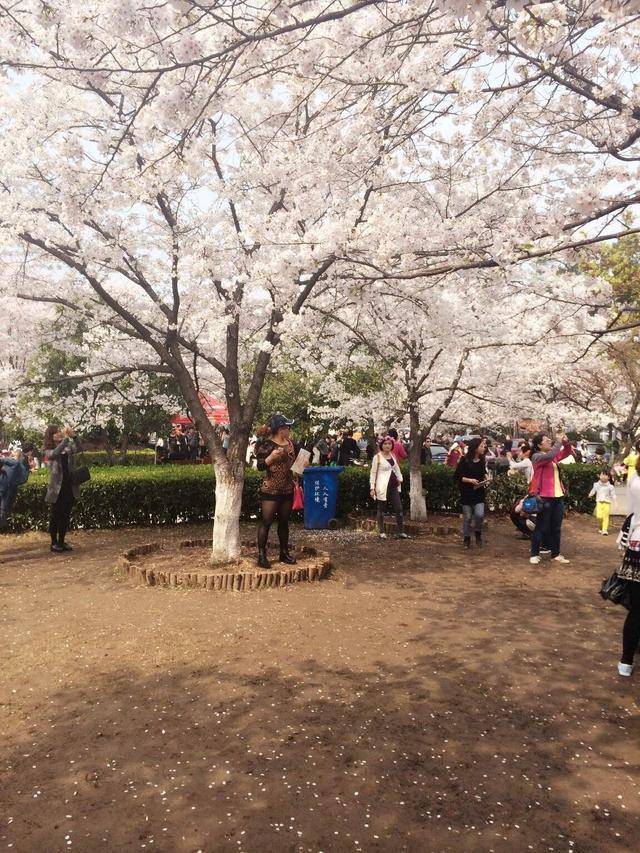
418,503
111,459
124,444
226,522
370,434
229,472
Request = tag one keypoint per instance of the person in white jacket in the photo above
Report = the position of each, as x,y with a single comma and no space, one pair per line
524,464
385,482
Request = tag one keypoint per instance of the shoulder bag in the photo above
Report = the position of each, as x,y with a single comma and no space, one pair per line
81,473
298,497
533,503
616,590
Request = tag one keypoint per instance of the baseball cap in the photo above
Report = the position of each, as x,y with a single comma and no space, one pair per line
278,420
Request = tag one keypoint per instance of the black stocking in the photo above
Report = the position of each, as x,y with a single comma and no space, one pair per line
631,628
269,514
270,511
283,524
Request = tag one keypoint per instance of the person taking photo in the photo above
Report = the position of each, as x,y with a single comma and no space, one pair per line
548,487
523,465
60,453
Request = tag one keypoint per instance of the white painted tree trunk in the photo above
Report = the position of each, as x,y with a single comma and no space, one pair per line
226,522
418,503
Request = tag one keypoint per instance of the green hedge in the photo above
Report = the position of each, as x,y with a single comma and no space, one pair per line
443,494
168,494
99,458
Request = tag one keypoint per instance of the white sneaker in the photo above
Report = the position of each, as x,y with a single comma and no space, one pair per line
544,552
535,560
625,669
561,559
605,532
382,535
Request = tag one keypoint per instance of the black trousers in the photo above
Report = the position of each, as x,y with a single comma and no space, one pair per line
520,523
61,514
7,501
631,628
393,500
548,526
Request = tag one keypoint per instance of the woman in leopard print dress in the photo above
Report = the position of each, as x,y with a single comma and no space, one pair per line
275,455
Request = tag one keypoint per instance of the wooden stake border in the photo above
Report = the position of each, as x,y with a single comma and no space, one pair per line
315,566
413,528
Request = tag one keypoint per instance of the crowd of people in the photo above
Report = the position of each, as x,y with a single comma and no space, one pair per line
329,449
183,444
538,514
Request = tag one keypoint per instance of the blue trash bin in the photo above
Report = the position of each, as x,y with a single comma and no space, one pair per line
320,495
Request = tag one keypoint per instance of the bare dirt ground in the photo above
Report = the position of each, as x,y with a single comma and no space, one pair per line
422,699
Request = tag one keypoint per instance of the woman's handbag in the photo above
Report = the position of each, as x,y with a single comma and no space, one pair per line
616,590
80,474
298,497
532,504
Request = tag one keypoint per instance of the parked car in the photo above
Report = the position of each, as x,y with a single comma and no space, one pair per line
592,446
438,453
465,438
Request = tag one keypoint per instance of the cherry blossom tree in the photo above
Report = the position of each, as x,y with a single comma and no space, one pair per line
604,388
186,178
189,266
484,353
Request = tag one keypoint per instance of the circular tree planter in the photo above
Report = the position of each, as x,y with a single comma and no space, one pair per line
432,527
186,565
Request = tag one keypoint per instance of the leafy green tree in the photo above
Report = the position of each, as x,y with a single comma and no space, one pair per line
618,264
111,412
289,390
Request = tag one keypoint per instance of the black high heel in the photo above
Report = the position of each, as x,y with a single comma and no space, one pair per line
263,563
285,557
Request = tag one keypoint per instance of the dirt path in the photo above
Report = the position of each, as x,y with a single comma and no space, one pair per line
422,699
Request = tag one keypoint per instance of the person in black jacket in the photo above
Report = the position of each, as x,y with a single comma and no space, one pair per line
471,474
349,450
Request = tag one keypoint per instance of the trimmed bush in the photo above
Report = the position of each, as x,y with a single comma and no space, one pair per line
124,496
578,480
99,458
443,494
170,494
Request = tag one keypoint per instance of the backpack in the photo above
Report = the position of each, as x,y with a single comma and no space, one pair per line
22,473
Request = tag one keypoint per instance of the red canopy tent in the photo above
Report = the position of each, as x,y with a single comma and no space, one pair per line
215,410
